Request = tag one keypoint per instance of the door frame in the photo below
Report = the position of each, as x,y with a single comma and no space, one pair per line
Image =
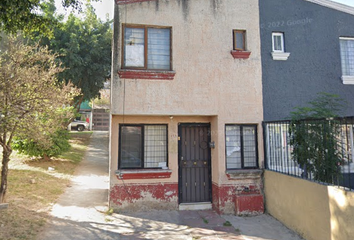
180,125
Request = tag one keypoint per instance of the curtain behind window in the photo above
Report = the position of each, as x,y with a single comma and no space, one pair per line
347,56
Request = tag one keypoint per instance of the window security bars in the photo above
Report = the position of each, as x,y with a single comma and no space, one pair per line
143,146
320,150
146,47
241,146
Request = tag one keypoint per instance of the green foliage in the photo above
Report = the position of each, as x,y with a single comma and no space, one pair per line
84,49
32,102
315,137
325,105
34,148
25,15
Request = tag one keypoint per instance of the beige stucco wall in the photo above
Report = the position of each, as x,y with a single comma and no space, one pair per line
315,211
208,81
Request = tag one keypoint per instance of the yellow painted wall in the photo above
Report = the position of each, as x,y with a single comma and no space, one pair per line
315,211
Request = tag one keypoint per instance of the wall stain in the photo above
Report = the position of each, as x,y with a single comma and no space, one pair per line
157,5
185,8
215,5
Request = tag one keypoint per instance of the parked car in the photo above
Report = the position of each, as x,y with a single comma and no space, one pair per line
79,125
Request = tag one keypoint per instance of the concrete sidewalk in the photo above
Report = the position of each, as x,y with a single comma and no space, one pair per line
79,213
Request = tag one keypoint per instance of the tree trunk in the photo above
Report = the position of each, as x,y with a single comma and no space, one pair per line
6,152
46,157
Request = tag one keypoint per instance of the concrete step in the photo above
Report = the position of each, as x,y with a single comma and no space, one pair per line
195,206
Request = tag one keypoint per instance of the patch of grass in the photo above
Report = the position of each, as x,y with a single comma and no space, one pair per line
205,221
32,189
110,211
227,224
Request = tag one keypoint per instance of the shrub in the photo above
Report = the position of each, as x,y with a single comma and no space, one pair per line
30,147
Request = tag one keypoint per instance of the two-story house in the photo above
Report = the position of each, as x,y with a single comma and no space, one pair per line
186,106
307,48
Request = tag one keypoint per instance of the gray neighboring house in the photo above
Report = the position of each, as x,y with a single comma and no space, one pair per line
307,47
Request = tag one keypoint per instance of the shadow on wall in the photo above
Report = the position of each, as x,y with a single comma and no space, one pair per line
313,210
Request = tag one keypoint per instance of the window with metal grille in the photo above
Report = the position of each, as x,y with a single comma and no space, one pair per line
347,56
146,47
142,146
241,146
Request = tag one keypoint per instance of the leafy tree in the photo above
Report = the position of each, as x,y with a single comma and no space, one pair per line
84,48
30,98
25,15
315,135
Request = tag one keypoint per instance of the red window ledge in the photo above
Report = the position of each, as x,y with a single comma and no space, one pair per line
143,174
120,2
146,74
240,54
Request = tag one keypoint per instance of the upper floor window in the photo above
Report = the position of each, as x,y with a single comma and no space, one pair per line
239,40
142,146
241,146
347,56
146,47
278,42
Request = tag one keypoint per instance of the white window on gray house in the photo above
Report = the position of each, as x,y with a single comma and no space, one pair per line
278,47
241,146
146,47
278,42
347,59
142,146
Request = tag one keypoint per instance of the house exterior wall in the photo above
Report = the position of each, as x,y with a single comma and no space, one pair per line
209,86
313,210
312,36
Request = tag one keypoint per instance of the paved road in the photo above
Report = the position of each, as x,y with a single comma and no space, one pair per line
79,213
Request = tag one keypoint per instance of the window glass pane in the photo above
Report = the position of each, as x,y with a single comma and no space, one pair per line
159,48
155,143
131,147
249,147
134,47
233,147
239,40
277,43
347,56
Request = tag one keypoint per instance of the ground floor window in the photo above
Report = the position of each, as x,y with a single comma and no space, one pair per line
241,146
142,146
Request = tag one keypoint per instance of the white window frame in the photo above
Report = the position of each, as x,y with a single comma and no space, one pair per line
347,79
276,34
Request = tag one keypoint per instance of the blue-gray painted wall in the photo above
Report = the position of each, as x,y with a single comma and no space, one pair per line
312,37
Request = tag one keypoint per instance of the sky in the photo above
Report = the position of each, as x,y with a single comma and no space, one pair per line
106,6
347,2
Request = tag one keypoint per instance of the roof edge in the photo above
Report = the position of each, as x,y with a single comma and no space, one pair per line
334,5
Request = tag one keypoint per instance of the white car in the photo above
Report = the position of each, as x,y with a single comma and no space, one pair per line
78,125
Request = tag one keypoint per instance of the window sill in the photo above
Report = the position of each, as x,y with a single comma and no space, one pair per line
146,74
240,54
244,174
280,56
143,174
348,79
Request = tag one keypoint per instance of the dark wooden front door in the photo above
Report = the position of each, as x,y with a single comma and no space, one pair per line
194,163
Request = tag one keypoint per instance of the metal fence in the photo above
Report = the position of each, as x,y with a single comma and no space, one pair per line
279,148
